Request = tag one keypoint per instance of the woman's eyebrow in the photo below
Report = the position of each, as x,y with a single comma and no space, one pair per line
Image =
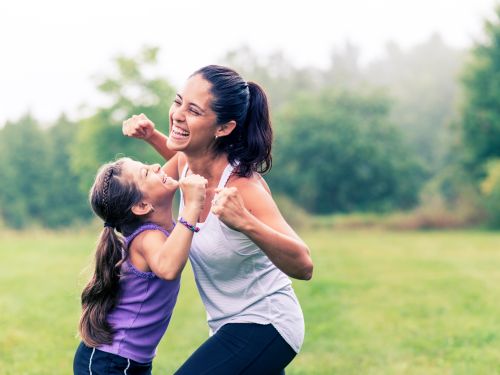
191,103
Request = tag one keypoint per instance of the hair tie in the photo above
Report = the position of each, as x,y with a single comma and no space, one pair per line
108,225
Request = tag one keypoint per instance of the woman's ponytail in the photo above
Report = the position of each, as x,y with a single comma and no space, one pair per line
257,139
234,99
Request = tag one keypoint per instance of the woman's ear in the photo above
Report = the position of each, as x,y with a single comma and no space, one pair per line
142,208
225,129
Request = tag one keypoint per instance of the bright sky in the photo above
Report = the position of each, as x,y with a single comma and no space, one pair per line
51,49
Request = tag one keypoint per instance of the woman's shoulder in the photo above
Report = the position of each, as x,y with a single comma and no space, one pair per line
252,184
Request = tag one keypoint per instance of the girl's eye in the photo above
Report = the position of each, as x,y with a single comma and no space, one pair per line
177,101
194,111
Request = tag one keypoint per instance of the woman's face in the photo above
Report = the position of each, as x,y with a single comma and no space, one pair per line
192,121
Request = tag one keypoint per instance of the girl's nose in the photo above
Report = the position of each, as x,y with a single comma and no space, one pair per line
156,167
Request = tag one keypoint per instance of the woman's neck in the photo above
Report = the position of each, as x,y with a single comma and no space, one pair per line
209,166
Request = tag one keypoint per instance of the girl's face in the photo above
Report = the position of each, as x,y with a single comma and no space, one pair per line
155,185
192,121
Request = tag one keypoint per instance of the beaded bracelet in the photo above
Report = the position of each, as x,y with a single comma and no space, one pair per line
188,226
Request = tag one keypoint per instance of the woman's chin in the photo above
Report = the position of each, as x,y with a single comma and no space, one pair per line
175,144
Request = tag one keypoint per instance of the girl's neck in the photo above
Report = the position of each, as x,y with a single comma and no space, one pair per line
162,217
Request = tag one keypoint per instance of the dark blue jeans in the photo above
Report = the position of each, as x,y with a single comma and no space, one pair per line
241,349
96,362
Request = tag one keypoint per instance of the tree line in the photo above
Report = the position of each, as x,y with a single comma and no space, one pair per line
415,126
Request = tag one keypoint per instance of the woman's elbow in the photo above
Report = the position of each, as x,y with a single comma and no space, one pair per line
307,271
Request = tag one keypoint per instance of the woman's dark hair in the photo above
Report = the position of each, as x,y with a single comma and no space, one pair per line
246,103
111,199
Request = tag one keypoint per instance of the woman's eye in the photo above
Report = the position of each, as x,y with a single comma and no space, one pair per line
177,101
194,111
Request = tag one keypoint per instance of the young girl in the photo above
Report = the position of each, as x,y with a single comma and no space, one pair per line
128,303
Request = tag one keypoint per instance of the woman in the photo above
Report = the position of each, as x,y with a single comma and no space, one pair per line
220,129
127,305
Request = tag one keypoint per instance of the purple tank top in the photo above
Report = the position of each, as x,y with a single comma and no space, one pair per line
144,309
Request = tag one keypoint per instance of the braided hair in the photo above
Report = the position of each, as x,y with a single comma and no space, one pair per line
112,199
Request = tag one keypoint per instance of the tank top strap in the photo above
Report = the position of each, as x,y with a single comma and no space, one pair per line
225,175
222,182
184,171
142,228
223,179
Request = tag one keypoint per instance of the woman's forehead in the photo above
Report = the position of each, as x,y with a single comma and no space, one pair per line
196,88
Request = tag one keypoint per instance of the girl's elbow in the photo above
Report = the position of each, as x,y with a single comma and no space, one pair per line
170,276
170,273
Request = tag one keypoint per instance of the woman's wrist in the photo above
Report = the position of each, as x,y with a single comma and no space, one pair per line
156,137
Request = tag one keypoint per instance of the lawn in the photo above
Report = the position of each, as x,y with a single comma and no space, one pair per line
379,303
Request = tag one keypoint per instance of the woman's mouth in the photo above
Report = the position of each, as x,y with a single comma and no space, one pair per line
178,132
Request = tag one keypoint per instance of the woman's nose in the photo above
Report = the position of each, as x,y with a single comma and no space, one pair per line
156,167
178,114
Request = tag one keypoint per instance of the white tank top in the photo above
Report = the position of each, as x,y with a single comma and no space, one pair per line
238,283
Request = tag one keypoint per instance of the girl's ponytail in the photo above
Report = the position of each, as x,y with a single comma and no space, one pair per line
101,293
111,199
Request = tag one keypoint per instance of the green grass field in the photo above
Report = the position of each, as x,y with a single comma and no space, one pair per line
379,303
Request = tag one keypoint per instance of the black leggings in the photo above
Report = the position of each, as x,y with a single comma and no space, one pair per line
96,362
240,348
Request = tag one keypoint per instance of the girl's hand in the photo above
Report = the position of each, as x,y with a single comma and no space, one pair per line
229,207
138,127
194,189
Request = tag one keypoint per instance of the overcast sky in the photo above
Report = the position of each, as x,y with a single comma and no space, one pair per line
51,49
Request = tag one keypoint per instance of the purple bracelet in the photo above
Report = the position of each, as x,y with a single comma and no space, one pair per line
188,226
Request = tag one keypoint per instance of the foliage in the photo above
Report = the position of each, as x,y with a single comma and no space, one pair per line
25,172
37,183
422,82
130,90
350,137
480,125
336,151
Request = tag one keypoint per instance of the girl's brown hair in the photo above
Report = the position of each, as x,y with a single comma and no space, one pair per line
111,199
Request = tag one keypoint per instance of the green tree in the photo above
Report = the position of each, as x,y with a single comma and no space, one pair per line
129,90
423,84
480,125
24,172
337,152
66,203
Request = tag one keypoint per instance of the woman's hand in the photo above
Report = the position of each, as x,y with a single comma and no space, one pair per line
138,126
193,189
229,207
248,207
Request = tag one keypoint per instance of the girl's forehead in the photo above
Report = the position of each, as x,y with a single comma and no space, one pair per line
131,168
